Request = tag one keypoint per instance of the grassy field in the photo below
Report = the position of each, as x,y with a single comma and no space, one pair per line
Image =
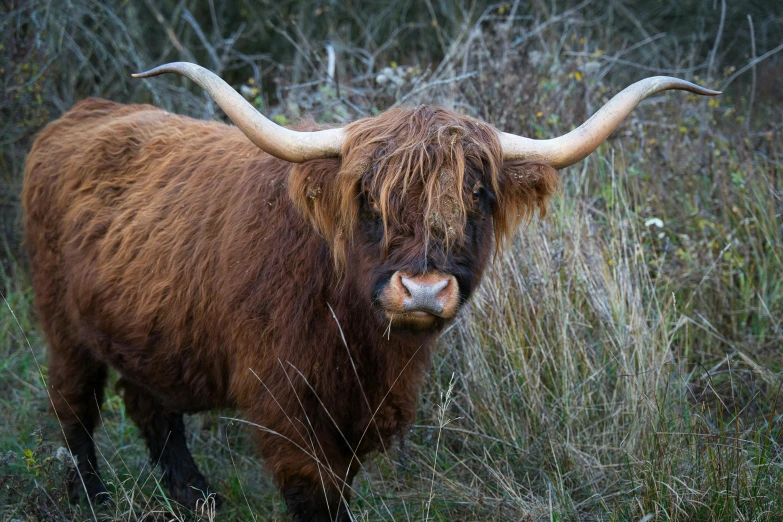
623,359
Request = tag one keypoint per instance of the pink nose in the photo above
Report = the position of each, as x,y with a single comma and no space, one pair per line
435,293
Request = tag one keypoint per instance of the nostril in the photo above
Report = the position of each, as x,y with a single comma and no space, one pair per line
406,285
445,290
439,287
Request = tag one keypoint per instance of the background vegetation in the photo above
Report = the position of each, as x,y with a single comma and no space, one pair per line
623,358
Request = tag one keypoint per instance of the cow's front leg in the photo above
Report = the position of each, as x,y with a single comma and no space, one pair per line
306,436
315,479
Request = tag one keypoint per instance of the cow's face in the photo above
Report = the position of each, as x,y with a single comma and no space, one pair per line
420,198
409,209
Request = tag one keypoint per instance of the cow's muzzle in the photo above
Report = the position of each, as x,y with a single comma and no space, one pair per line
421,297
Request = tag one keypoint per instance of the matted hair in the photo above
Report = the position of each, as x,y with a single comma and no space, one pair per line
415,164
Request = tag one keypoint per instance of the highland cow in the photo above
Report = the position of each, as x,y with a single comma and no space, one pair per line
299,276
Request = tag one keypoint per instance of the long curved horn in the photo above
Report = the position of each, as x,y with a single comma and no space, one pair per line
579,143
268,136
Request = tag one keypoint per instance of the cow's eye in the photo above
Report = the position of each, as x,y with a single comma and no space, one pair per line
477,192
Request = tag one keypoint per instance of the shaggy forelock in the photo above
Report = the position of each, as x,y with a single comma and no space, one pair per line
417,163
419,166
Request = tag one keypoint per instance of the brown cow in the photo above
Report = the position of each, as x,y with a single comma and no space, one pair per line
304,283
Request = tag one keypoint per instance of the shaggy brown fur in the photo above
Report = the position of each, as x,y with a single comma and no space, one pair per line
177,253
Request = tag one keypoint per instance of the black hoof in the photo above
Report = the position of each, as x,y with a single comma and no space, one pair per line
194,494
306,503
90,483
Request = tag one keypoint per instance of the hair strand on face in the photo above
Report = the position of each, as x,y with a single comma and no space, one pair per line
415,164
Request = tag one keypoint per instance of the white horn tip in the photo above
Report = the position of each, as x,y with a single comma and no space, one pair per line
174,67
149,74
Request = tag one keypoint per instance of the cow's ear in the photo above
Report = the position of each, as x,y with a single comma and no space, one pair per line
523,188
315,190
